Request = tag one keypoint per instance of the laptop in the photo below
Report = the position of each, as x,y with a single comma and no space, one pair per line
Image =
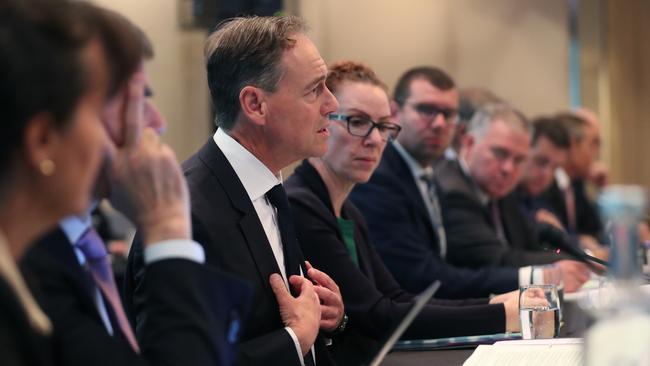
420,300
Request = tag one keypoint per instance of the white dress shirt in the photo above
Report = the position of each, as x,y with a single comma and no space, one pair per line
257,179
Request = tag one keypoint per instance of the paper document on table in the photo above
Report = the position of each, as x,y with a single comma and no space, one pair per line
541,342
528,355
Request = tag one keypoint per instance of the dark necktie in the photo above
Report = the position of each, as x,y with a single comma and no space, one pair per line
434,210
278,198
92,246
495,214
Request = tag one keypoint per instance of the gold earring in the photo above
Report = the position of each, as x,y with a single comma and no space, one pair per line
47,167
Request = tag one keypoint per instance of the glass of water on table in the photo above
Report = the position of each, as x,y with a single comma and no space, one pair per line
539,311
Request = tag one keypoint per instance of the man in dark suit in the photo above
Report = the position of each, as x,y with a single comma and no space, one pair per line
568,195
397,204
189,306
548,151
485,225
267,82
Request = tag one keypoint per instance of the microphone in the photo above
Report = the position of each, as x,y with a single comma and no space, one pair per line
559,239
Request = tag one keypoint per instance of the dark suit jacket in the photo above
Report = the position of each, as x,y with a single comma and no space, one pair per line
403,236
20,345
189,309
471,234
587,218
224,221
374,302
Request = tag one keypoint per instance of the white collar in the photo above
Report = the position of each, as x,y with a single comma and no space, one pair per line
75,226
416,169
256,177
482,196
562,179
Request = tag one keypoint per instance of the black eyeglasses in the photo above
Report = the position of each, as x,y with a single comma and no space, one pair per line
362,126
431,111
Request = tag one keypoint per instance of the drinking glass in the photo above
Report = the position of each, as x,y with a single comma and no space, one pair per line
539,311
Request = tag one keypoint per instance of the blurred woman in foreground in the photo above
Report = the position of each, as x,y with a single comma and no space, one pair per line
334,235
51,144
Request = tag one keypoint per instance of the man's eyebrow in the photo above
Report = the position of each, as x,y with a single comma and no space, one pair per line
315,81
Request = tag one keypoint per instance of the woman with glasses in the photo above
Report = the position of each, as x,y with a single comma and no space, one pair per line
334,236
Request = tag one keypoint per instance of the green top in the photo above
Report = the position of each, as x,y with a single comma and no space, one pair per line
347,231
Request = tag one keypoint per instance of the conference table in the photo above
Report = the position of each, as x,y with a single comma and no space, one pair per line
576,321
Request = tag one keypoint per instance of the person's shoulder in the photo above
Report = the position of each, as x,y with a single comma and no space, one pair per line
449,176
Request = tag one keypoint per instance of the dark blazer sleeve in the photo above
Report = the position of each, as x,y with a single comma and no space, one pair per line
192,316
371,311
183,323
399,234
473,241
79,335
275,345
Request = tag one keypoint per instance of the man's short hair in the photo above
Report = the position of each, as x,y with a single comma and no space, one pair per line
351,71
492,112
433,75
246,51
40,68
574,124
471,99
125,44
552,129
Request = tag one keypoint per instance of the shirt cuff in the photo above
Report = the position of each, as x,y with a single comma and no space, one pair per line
296,343
525,275
174,249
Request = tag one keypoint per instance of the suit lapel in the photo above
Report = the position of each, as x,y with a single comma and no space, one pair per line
249,222
398,168
55,251
57,245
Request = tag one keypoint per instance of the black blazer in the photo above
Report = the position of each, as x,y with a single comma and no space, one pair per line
471,235
374,301
189,311
224,221
402,234
20,345
587,218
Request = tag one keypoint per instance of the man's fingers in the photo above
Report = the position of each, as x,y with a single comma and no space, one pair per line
322,279
325,295
279,288
133,111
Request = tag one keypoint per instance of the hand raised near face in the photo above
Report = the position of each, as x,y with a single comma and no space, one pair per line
301,313
148,185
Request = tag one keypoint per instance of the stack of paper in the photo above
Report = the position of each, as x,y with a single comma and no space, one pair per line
541,352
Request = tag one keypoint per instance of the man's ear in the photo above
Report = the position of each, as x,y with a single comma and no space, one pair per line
41,139
253,104
468,141
394,108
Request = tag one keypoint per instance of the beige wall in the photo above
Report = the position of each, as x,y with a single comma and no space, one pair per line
176,73
518,48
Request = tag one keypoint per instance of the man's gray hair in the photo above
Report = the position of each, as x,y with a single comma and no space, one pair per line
247,51
492,112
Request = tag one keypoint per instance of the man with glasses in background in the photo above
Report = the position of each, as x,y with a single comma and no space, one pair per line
400,202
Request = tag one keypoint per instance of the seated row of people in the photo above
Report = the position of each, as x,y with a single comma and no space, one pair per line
276,103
